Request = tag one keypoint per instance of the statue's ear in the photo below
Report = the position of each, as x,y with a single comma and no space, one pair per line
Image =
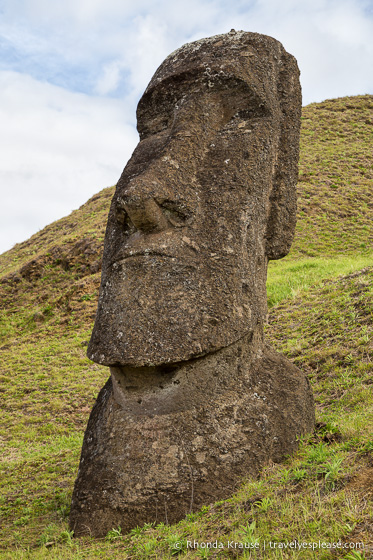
283,197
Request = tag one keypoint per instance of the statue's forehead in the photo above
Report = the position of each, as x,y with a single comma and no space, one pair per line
216,62
247,56
185,71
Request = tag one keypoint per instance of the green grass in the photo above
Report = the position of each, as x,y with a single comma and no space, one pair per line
287,278
321,311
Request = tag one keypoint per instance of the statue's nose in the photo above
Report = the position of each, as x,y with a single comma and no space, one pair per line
145,214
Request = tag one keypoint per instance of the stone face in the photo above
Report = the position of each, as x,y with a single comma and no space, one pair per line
208,196
196,401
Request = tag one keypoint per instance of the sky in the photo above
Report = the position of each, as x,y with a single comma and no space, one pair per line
72,72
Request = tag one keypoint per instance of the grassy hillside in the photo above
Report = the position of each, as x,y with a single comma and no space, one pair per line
321,316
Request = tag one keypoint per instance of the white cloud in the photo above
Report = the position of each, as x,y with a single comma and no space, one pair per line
109,80
58,148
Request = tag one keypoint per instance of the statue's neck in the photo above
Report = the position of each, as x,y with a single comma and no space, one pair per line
170,388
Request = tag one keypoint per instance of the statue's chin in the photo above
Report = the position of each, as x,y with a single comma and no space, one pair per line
157,342
156,314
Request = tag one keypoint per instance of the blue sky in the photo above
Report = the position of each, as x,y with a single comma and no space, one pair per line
71,74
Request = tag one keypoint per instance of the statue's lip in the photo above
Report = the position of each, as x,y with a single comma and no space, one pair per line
182,248
144,253
124,257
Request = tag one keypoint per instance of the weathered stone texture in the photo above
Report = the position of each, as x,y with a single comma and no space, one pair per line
172,445
206,198
196,400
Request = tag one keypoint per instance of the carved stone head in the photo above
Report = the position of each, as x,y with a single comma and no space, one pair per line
208,196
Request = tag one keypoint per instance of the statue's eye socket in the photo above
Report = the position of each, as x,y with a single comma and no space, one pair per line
158,123
155,112
176,212
154,124
246,114
255,111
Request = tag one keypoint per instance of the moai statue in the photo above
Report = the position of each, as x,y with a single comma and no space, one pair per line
196,400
